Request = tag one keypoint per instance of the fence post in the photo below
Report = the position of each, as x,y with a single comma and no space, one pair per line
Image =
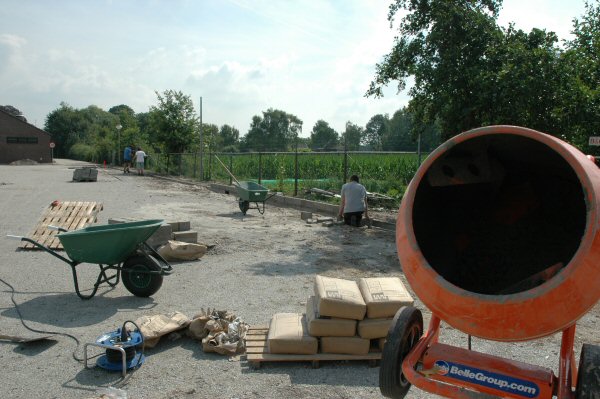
230,169
180,164
194,173
168,161
296,169
210,157
259,167
345,163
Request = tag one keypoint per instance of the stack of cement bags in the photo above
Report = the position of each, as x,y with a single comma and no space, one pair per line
336,316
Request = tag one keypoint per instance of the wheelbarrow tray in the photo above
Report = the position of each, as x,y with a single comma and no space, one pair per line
252,192
107,244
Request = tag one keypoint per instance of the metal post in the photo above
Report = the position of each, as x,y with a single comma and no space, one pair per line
419,150
296,169
168,161
230,169
194,173
259,167
201,144
345,161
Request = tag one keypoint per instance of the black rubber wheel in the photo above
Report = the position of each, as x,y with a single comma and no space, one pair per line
588,377
403,335
244,206
136,280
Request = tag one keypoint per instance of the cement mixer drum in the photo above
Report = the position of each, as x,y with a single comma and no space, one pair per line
498,233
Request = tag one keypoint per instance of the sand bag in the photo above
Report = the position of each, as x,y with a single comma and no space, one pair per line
345,345
374,328
177,250
327,326
288,333
339,298
384,296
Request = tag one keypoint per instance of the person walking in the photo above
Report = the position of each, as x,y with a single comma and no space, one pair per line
127,159
354,202
140,157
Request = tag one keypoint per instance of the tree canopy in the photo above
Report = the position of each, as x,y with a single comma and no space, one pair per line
274,131
172,124
323,137
470,72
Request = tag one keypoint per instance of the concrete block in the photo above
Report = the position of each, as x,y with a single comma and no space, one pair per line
180,226
85,174
161,236
329,223
186,236
306,215
184,226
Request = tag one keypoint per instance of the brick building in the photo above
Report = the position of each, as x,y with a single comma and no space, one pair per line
21,140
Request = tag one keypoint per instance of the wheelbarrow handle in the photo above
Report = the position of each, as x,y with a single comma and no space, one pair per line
51,227
14,237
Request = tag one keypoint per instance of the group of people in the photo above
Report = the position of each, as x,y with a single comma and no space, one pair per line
139,156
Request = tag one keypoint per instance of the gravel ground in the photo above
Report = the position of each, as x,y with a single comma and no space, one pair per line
261,265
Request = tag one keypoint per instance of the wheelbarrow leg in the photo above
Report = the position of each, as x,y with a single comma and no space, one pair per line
102,278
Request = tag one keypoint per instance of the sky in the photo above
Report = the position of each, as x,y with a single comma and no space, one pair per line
311,58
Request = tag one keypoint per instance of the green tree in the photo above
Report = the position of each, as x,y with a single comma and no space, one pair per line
323,137
442,45
352,136
67,127
274,131
172,123
580,94
375,131
9,109
229,139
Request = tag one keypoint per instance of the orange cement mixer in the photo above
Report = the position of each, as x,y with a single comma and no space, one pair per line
498,234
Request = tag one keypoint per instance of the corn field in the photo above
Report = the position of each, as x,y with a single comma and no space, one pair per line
386,173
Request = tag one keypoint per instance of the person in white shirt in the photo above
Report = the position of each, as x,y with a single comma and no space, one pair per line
354,202
140,157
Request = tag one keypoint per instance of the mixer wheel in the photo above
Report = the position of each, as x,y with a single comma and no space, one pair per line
403,335
588,379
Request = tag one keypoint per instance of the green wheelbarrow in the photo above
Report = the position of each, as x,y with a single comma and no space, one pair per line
118,247
251,192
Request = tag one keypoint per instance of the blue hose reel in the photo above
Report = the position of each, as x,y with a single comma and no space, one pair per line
124,349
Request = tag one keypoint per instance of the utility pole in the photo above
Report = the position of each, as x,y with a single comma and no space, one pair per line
201,144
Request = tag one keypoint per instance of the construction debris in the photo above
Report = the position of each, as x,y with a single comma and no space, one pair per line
220,331
306,215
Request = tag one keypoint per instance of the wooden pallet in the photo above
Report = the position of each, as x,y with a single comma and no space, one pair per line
69,215
257,352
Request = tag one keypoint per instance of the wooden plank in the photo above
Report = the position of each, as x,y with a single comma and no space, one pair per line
68,215
257,352
271,357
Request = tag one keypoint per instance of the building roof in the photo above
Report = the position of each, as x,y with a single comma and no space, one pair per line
6,115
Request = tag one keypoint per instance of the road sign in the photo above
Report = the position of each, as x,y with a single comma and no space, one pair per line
594,140
52,145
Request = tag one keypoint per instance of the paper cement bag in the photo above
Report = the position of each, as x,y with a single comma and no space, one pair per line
177,250
154,327
339,298
288,333
327,326
384,296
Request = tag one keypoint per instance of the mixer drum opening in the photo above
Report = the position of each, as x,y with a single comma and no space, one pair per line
499,214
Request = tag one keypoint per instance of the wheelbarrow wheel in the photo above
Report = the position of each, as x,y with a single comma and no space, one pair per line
588,378
136,278
404,333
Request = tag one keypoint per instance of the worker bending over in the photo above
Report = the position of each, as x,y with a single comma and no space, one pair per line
354,202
